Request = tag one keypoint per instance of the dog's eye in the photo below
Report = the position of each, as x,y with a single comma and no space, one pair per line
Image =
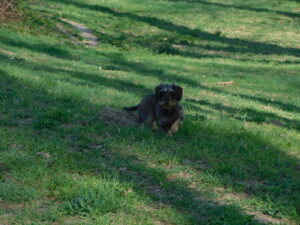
161,94
172,94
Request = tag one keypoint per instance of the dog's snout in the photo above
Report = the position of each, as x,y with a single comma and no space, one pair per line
167,98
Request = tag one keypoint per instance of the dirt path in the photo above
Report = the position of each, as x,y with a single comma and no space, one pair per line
87,35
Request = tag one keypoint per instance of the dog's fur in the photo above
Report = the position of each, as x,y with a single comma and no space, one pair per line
162,107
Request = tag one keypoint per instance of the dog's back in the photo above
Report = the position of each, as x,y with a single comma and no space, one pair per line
147,103
146,108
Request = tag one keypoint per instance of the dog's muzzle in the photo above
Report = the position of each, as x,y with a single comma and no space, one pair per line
167,105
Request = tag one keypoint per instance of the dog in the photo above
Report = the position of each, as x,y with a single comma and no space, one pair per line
163,108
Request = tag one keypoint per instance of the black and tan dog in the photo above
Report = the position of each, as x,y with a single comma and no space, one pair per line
162,107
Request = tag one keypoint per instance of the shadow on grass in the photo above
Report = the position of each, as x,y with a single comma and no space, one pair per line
118,62
238,159
251,115
155,45
36,47
282,105
175,194
85,77
236,45
248,8
121,63
176,46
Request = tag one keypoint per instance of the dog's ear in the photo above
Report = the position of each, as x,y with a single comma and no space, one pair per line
178,91
157,90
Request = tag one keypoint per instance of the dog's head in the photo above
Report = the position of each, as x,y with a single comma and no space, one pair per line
168,95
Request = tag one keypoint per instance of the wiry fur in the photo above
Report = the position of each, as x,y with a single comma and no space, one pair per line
161,108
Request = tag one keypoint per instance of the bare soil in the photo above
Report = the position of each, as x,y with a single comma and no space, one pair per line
122,118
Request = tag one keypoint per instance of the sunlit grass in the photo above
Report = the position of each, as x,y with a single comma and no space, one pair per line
235,160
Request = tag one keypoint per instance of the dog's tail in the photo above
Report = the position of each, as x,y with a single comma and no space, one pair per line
132,108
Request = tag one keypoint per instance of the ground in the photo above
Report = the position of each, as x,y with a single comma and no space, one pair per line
235,160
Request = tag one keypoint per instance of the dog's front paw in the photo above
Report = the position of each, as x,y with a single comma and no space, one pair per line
155,128
175,126
169,133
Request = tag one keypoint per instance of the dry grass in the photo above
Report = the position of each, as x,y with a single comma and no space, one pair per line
8,10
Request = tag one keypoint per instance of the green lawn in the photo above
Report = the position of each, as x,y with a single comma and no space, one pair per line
235,160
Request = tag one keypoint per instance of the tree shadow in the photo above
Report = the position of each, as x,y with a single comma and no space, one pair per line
249,164
163,191
95,79
230,153
121,63
138,67
156,48
236,45
48,49
176,47
248,172
118,62
282,105
251,115
288,14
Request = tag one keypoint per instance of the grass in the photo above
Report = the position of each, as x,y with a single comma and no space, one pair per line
235,160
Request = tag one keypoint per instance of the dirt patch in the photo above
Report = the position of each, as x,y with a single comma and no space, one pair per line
7,10
6,52
87,35
198,164
264,219
122,118
181,175
64,31
225,83
6,6
228,197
